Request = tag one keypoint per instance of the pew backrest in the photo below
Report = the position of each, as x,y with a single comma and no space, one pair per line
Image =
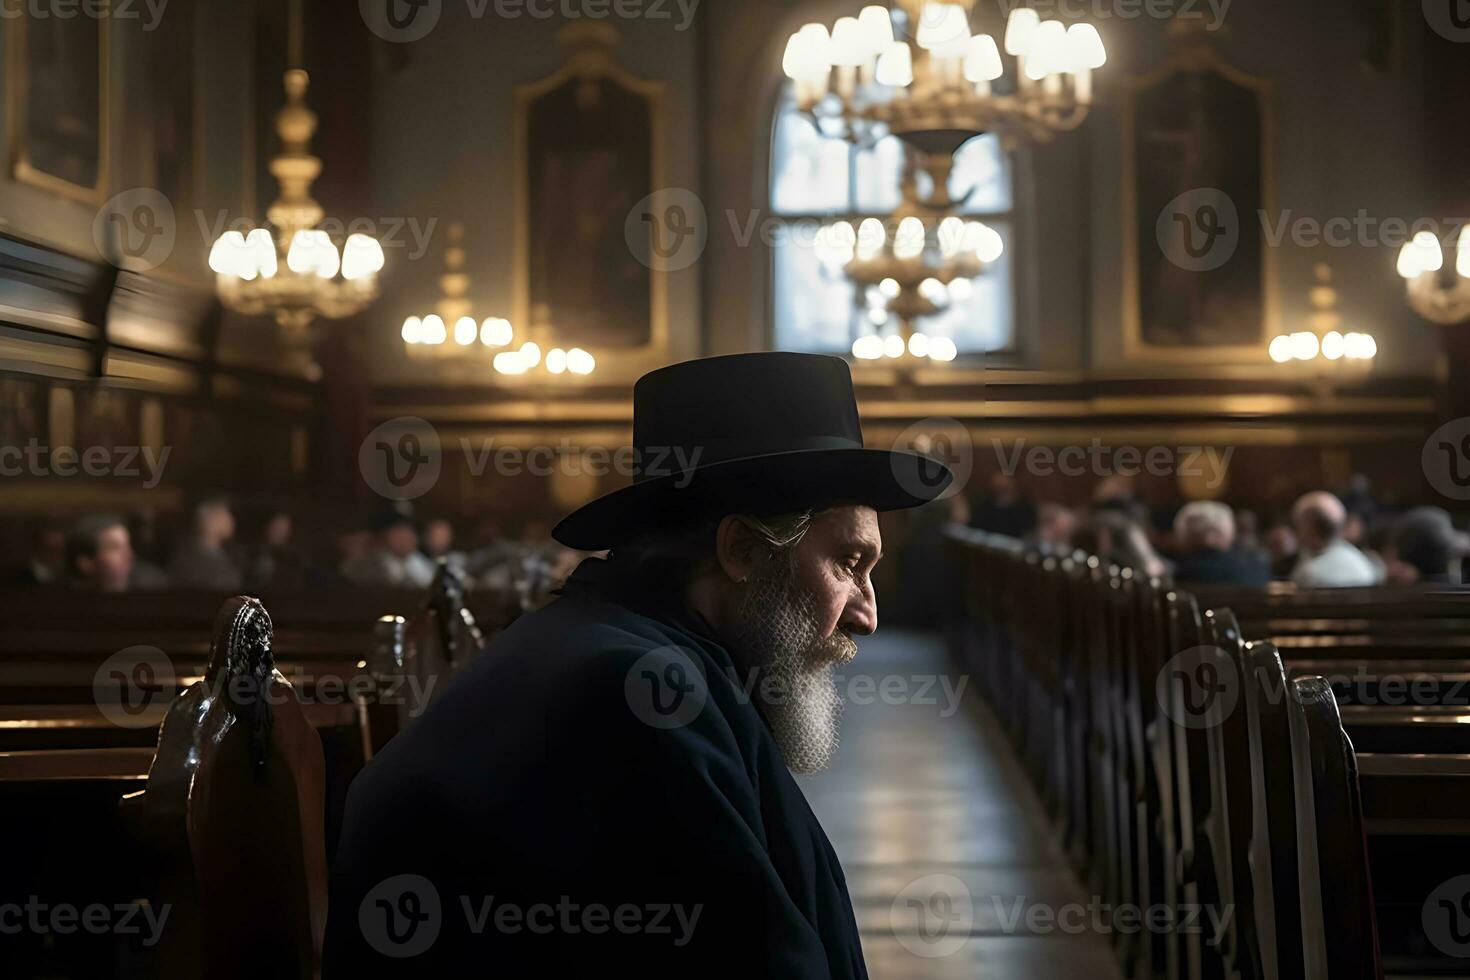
234,811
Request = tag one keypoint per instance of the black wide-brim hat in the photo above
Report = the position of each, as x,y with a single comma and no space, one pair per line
765,433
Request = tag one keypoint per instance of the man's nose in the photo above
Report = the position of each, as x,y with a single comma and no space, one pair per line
861,615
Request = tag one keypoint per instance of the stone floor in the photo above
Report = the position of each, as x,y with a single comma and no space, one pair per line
949,858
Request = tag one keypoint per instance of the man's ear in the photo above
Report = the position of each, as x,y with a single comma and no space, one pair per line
738,548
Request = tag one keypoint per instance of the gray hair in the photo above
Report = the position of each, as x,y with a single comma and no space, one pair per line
1200,520
670,557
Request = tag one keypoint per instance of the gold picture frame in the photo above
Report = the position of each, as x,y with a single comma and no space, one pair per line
592,57
1198,56
17,87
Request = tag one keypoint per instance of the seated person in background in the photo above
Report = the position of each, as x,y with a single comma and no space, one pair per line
202,562
1056,526
395,561
275,562
1326,560
46,564
1425,546
148,564
1113,536
99,554
1204,533
438,542
1004,510
1281,550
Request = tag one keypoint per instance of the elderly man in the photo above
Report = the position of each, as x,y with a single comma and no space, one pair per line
1204,536
1326,560
609,786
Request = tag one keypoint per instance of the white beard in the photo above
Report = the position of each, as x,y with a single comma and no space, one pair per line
779,641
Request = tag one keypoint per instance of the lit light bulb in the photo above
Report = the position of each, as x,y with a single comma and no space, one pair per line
944,29
556,360
1419,255
893,345
871,237
877,24
510,362
1462,253
840,243
531,352
1085,47
1280,349
413,330
868,348
942,349
889,288
465,331
226,256
1019,27
908,241
951,237
495,332
919,345
933,290
1334,345
982,59
261,248
896,66
580,362
989,246
433,329
961,290
1048,51
1303,345
362,257
849,44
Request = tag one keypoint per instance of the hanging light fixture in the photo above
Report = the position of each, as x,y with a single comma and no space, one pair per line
451,331
290,268
861,79
1325,345
1421,263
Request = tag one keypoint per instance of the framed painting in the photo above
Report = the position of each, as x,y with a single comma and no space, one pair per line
57,101
1199,280
589,148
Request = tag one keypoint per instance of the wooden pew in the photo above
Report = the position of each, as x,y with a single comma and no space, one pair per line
233,812
1065,635
1339,934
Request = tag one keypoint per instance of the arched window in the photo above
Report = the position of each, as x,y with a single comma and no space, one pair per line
815,179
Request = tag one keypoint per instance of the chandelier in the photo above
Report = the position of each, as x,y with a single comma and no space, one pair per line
1325,345
858,82
292,269
431,337
1421,262
927,263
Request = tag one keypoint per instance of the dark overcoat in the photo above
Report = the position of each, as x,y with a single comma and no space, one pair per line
597,792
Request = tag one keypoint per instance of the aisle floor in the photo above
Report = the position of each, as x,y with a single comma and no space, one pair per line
949,858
